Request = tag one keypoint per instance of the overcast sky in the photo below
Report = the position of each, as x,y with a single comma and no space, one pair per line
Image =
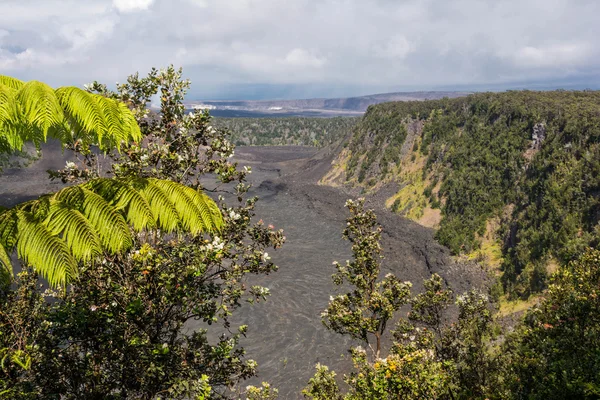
307,48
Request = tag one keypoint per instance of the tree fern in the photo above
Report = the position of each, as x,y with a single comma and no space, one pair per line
75,229
126,199
29,112
110,224
10,119
39,106
5,270
78,223
37,246
10,82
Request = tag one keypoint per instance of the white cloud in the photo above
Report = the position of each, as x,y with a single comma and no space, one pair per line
303,58
378,45
556,55
87,33
397,47
132,5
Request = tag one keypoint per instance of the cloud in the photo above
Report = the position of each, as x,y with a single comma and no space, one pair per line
348,46
563,54
303,58
132,5
397,47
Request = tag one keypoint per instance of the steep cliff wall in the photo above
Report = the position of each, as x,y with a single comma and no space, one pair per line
513,177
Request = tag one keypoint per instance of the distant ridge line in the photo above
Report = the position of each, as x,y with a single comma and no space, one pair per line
326,105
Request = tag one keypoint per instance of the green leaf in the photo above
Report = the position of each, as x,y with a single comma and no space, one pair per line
40,106
49,255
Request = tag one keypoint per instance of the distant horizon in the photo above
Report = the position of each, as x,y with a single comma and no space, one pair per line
258,95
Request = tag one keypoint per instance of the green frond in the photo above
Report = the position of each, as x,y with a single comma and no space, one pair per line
11,82
113,123
40,106
107,121
38,208
164,211
193,210
31,111
126,199
6,273
8,229
129,122
82,108
209,211
11,137
108,222
37,246
7,102
75,230
79,222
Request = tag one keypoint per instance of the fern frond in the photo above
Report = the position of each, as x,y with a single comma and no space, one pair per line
82,108
37,246
209,211
113,122
126,199
6,273
107,221
11,137
165,213
75,230
194,214
40,106
31,111
130,125
8,229
11,82
77,223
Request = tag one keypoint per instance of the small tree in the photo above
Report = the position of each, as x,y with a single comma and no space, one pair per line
363,313
429,357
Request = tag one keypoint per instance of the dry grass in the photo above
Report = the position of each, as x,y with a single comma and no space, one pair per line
510,307
337,174
431,218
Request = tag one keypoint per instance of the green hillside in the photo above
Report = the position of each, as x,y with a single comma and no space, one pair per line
510,177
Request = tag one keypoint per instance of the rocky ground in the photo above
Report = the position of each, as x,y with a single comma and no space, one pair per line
286,336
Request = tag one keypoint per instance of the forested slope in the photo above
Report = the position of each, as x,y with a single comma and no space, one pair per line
511,177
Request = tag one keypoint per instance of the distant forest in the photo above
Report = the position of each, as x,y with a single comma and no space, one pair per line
298,131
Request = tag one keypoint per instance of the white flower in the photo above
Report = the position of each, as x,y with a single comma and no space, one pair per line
330,298
265,257
217,244
234,216
70,164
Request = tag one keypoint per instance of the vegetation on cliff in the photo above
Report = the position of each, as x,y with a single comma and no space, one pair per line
519,170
